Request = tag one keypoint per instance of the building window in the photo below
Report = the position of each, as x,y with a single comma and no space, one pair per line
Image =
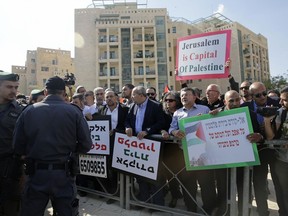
112,71
112,55
33,60
54,62
148,70
45,69
33,71
174,29
140,70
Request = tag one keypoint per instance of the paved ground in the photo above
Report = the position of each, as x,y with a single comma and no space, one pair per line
92,205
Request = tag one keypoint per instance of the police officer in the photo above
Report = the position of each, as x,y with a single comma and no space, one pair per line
46,135
9,170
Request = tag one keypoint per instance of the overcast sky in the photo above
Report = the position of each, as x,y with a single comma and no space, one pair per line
26,25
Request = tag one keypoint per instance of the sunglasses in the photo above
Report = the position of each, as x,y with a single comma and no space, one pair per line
244,87
169,100
258,95
152,94
234,100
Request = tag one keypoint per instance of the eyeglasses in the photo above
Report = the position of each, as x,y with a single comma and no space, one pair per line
258,95
234,100
244,87
152,94
169,100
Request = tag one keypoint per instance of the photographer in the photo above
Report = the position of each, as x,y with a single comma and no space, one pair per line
266,155
278,131
69,81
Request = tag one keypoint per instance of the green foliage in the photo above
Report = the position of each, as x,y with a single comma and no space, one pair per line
277,82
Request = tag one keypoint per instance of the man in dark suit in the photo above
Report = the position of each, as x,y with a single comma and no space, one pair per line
118,113
145,117
266,155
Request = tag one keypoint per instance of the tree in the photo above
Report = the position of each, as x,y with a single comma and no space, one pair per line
277,82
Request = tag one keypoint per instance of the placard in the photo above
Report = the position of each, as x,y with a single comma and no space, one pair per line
140,157
93,165
99,130
203,56
218,141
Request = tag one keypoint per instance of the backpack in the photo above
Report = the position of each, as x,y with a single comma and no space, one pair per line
278,133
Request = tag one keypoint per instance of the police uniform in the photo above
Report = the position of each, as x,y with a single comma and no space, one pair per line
10,169
47,133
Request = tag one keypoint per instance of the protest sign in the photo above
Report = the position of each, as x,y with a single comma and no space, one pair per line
99,130
139,157
93,165
203,56
218,141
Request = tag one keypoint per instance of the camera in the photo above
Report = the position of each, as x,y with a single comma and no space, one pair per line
69,79
267,111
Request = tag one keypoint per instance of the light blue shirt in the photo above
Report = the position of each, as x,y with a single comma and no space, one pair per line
140,115
184,113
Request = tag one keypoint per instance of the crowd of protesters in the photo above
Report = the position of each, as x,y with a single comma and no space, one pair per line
137,112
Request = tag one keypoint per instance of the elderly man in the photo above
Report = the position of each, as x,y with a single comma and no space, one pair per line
213,100
189,179
146,117
10,172
232,100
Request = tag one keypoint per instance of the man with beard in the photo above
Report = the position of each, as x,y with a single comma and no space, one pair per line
118,113
244,92
126,93
10,169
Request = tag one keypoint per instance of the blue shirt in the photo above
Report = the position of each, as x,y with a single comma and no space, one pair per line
184,113
140,116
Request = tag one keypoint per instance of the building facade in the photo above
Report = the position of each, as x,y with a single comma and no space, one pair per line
121,43
41,64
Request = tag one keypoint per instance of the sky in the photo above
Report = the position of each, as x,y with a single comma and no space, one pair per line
26,25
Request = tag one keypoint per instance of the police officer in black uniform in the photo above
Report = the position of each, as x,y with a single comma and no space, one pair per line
10,172
47,134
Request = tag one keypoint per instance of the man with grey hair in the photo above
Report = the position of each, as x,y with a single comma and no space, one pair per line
212,99
146,117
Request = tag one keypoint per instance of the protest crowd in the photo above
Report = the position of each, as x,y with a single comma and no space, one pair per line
41,138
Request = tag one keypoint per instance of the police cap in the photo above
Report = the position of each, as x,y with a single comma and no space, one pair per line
8,76
55,83
36,92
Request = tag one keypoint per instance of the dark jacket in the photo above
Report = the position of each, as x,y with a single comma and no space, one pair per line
50,130
153,118
122,114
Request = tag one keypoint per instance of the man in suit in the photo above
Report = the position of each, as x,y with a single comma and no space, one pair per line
118,113
145,117
266,155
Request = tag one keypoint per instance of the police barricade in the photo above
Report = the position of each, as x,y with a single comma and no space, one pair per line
171,169
95,175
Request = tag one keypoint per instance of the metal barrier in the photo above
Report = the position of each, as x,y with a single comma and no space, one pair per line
127,189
